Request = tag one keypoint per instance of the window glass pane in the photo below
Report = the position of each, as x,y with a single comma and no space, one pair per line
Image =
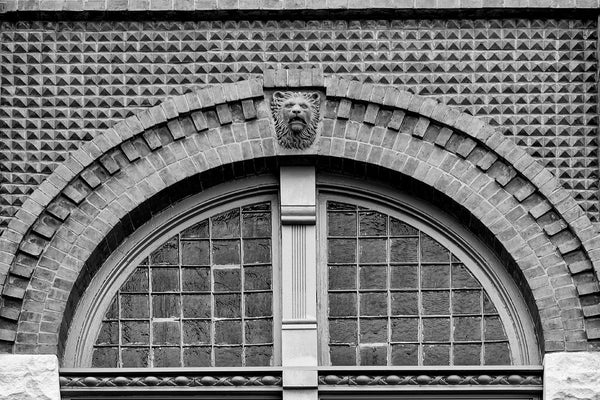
137,282
165,279
258,355
257,224
195,252
396,296
342,224
372,223
167,254
109,333
342,277
203,298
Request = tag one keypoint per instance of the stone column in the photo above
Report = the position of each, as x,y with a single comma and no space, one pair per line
572,376
25,377
299,280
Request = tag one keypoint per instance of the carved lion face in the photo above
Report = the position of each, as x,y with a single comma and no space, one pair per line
296,116
296,113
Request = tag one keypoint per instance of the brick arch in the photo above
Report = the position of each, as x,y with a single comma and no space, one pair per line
536,221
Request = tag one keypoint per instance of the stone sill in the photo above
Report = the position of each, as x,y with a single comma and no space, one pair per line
480,7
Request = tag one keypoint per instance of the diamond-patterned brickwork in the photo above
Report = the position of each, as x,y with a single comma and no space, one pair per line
63,82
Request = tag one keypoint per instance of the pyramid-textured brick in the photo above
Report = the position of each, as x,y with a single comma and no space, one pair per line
62,82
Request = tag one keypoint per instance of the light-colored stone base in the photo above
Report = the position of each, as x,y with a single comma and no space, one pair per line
306,394
24,377
572,376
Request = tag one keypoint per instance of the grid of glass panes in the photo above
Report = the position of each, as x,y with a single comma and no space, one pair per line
398,297
203,298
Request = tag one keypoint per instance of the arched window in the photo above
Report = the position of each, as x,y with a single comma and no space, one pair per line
398,284
192,288
202,298
397,296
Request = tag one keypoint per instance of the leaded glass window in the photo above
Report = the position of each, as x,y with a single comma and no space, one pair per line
202,298
396,296
395,286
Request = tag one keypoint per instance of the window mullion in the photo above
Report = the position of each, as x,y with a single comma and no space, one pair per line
299,282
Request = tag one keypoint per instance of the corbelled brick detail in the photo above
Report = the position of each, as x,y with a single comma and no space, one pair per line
539,225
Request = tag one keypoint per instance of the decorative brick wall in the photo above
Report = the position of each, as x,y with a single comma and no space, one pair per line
63,82
539,228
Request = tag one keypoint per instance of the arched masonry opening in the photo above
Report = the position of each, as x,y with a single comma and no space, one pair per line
334,193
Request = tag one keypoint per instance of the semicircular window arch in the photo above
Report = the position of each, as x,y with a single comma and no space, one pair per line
399,284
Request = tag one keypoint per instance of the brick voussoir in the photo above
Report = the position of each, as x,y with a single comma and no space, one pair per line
280,78
389,97
8,335
112,138
83,158
538,175
519,158
217,94
14,292
415,104
134,124
428,107
25,216
293,78
146,119
10,313
231,93
269,78
175,129
439,113
92,150
181,104
245,90
343,87
158,114
366,91
169,108
73,165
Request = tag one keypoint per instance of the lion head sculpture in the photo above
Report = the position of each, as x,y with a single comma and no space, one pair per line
296,117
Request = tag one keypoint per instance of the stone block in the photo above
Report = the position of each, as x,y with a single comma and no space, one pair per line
573,376
24,377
